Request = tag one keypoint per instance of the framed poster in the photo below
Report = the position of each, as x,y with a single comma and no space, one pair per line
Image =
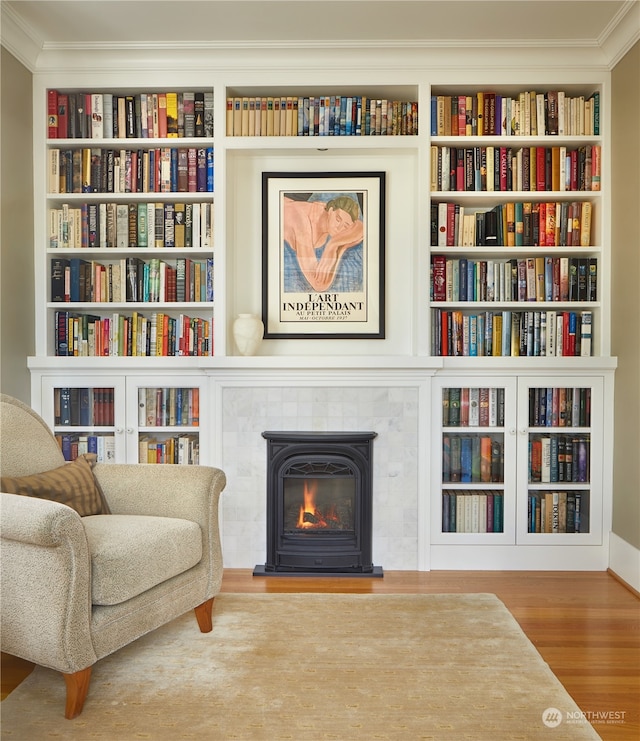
323,255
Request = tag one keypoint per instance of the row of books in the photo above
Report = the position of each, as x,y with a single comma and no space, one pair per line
558,512
159,170
528,113
131,226
472,407
169,407
559,457
543,278
512,224
511,333
121,335
472,512
558,406
502,169
321,115
83,407
74,444
180,449
95,115
472,458
131,279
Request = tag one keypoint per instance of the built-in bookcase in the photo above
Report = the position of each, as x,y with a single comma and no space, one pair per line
129,222
149,242
519,260
518,463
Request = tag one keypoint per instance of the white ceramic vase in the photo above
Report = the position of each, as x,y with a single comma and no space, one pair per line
248,331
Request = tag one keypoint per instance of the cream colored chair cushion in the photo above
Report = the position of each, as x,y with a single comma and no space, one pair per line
132,553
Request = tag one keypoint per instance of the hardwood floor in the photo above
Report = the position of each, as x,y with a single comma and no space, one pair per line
586,625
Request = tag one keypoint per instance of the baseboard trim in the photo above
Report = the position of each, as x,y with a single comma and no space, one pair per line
624,563
624,583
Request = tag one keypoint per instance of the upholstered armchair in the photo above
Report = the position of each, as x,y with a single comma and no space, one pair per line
77,588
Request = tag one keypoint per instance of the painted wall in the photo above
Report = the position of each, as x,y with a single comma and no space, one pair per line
625,333
17,333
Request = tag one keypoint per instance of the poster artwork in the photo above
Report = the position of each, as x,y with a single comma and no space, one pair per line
324,256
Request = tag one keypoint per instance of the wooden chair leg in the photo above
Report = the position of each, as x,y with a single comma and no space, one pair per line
77,688
203,616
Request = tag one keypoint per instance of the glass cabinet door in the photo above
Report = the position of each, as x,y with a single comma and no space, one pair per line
86,415
165,420
473,474
559,460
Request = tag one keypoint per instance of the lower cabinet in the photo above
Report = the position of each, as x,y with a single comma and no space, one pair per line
517,471
514,469
127,418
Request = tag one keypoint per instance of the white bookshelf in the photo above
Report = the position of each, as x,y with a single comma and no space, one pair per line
405,354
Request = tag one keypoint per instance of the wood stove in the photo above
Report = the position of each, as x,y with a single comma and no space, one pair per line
319,504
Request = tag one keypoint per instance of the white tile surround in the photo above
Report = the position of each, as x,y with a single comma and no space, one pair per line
389,410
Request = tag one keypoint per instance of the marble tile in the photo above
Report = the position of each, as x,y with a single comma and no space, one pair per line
389,411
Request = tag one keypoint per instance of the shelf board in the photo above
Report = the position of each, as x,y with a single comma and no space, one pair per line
260,144
132,143
549,140
121,253
146,196
529,251
133,305
491,196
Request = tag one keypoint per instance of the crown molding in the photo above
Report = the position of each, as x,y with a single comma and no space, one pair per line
205,57
605,52
622,33
18,38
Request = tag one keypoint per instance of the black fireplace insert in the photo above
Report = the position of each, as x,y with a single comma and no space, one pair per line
319,504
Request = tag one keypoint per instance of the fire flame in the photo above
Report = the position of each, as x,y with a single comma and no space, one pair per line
310,516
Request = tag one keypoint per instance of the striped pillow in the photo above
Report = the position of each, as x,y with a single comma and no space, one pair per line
72,484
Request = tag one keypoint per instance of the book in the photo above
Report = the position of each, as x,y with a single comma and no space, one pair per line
199,115
179,225
188,104
210,169
585,224
52,114
455,473
208,113
586,319
59,279
454,407
485,458
162,115
171,99
97,116
63,116
438,279
182,180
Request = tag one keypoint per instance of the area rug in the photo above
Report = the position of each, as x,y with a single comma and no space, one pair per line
315,667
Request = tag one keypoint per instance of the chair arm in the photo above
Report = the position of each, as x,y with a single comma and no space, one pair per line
46,577
190,492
